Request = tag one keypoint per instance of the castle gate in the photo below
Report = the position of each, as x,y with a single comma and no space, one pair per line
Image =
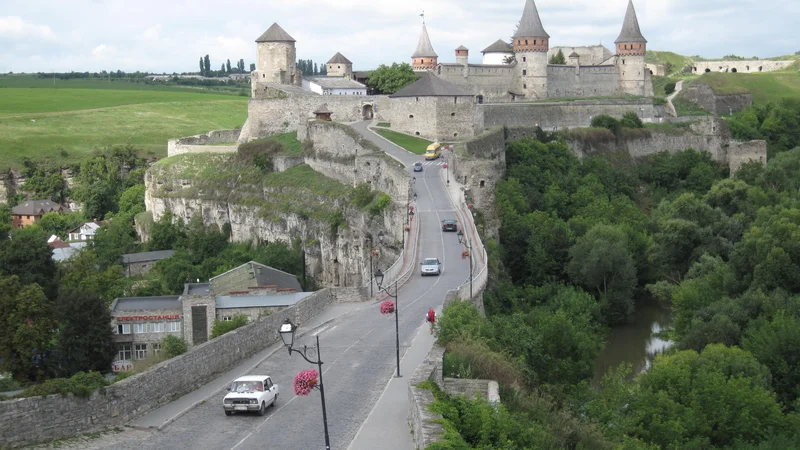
367,111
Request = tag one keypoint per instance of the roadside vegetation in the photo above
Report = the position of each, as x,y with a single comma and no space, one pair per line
581,242
411,143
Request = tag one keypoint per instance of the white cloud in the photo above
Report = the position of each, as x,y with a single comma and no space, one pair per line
16,27
171,36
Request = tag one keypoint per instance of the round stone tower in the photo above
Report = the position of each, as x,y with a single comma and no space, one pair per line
631,49
276,58
424,58
462,55
531,44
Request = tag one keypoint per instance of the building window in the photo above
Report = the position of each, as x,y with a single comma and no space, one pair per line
452,114
157,327
524,86
124,352
139,328
156,348
174,327
524,58
227,318
141,351
124,328
524,72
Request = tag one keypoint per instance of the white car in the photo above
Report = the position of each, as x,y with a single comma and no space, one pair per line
250,393
431,266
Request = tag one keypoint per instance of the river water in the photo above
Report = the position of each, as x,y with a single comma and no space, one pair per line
636,343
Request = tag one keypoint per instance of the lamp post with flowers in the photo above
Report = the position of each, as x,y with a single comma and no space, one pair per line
307,380
389,307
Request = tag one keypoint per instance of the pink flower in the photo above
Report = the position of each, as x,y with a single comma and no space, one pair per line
387,307
305,381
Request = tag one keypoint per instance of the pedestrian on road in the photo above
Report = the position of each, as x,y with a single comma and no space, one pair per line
431,318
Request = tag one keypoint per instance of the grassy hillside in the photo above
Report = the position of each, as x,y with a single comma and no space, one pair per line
661,57
62,124
765,87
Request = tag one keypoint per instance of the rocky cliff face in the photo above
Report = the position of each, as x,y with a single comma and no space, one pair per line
296,204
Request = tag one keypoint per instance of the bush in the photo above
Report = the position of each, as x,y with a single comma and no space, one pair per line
8,384
173,346
122,375
379,204
223,326
607,122
81,384
669,88
474,359
362,196
631,120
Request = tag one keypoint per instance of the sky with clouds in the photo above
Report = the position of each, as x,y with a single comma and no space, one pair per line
171,35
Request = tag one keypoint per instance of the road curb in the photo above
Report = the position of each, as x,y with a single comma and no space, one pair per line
194,405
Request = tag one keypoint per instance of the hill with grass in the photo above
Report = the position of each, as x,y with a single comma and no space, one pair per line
669,59
764,87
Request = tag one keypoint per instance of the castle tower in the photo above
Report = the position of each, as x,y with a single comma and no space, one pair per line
276,58
424,58
462,55
531,44
339,66
631,49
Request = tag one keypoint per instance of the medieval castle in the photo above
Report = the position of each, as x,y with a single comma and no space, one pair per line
447,102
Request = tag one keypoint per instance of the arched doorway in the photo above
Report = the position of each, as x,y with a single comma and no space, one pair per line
708,70
367,112
734,70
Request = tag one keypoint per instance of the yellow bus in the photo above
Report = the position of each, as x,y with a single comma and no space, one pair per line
434,151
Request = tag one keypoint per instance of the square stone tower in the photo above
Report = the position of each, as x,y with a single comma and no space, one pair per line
276,59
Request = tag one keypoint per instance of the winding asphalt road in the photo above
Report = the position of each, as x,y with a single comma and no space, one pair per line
358,350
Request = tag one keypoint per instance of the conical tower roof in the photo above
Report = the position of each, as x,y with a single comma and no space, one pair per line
499,46
338,58
530,26
275,34
424,48
630,27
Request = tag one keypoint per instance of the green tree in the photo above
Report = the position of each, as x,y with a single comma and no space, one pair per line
228,66
114,240
85,273
206,66
202,67
59,224
173,346
84,338
252,67
167,234
707,400
601,262
28,256
5,221
607,122
558,58
221,327
132,200
631,120
26,329
776,344
390,79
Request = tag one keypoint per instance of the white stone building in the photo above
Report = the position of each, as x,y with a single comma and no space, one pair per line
328,85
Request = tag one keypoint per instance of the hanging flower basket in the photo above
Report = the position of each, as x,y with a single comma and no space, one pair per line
373,252
407,228
305,382
387,307
465,254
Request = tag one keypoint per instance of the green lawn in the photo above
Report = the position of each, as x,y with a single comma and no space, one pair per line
413,144
33,81
158,117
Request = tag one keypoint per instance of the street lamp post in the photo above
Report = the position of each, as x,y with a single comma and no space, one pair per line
465,240
287,331
379,280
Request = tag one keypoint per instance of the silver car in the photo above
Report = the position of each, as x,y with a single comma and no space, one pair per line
431,266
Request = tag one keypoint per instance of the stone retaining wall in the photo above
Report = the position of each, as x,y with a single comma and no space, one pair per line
425,431
565,114
718,104
203,143
33,420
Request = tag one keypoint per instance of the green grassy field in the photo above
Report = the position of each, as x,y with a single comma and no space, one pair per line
62,125
765,87
413,144
661,57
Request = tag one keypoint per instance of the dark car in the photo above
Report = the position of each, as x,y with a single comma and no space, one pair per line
449,225
417,166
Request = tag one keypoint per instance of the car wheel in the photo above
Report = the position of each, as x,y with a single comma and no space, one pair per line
228,413
274,399
263,409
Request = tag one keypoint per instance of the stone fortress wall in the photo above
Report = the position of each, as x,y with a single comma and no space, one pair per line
570,114
717,104
743,66
33,420
492,82
204,143
436,118
565,81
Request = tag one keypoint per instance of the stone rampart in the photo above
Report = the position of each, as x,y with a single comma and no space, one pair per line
717,104
744,66
204,143
565,114
584,81
267,117
33,420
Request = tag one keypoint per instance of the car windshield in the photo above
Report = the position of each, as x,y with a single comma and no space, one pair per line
430,262
246,386
418,164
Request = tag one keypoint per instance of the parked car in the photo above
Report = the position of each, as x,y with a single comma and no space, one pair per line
449,225
431,266
250,394
417,166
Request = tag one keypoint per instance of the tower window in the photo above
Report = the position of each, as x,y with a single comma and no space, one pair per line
524,59
526,42
410,116
524,86
534,42
452,114
524,72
